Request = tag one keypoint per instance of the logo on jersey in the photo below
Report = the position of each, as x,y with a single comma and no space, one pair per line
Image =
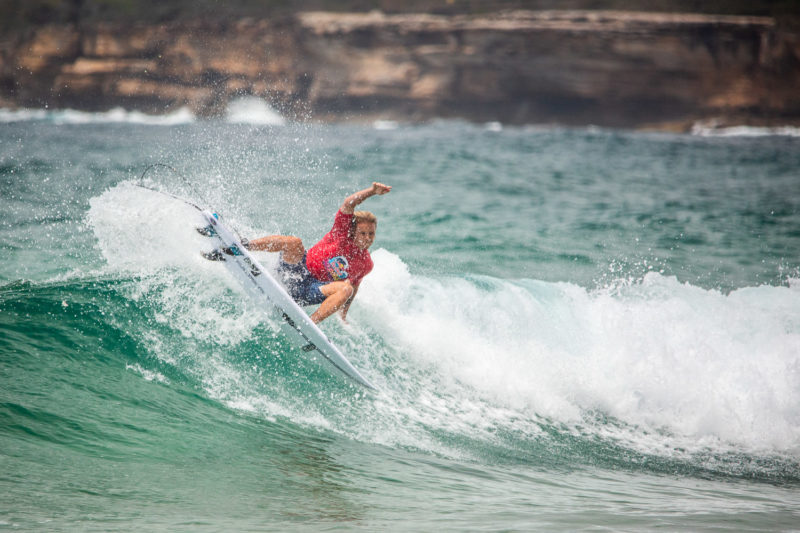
337,268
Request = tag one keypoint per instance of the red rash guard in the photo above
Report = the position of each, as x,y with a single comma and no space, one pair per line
336,257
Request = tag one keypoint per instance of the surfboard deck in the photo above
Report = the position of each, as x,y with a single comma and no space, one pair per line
265,290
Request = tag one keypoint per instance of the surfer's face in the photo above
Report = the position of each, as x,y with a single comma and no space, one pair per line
365,235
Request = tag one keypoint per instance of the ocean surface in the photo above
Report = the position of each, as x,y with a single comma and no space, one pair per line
571,329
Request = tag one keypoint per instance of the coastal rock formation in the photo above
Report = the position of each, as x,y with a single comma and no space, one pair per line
586,67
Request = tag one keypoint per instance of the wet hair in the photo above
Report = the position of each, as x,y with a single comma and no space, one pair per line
359,217
364,216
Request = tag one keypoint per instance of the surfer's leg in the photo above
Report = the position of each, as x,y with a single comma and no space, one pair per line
292,247
337,293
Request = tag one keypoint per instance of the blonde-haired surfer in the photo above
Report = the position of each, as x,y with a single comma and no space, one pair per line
330,272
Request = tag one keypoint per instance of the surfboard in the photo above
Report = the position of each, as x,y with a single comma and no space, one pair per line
267,292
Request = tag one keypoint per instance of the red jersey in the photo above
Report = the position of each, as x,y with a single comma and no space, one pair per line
336,257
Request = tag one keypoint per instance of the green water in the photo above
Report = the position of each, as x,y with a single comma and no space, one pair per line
570,330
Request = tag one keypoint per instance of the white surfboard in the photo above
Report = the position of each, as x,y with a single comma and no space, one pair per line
267,291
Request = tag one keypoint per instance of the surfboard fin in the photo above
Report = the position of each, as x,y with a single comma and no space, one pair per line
207,231
219,254
214,255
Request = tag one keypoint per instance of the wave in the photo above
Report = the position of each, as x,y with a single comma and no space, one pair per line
658,367
658,354
449,388
116,115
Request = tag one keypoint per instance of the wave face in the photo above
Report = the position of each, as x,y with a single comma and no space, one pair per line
527,359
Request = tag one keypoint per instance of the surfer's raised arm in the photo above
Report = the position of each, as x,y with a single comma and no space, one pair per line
350,203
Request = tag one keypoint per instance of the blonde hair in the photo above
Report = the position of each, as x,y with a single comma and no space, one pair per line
364,216
359,217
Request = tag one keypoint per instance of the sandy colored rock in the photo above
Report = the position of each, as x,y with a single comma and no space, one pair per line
571,67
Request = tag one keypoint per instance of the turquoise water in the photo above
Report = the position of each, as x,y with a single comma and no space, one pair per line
571,329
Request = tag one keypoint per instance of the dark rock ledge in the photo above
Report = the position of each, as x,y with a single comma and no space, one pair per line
618,69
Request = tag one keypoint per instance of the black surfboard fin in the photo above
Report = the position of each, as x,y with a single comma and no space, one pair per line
207,231
214,255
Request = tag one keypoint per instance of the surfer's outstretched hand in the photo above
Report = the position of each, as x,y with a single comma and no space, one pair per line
357,197
380,188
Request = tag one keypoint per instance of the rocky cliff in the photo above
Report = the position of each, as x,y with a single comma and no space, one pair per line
588,67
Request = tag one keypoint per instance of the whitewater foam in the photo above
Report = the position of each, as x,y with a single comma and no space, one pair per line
385,125
677,359
149,375
252,110
72,116
144,233
714,129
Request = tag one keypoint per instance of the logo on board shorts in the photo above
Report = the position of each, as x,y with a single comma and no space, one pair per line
337,268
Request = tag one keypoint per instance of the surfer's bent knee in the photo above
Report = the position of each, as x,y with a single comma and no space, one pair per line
347,288
293,249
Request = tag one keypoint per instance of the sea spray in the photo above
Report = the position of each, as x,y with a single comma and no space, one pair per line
252,110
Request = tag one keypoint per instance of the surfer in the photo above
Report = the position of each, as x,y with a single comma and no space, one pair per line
330,272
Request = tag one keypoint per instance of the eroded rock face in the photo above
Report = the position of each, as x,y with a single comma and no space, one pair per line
604,68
